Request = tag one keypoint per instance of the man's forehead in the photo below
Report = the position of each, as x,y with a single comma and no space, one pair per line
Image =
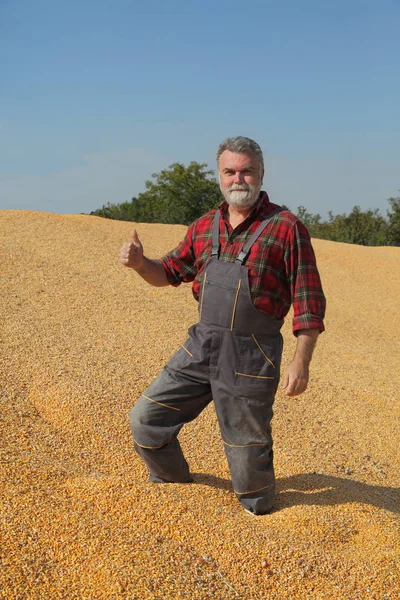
237,160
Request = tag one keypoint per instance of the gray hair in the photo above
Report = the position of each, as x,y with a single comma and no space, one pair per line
241,144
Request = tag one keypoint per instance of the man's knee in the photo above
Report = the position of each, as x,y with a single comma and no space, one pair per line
138,419
147,431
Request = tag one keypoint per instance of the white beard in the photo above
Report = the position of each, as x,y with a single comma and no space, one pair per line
241,196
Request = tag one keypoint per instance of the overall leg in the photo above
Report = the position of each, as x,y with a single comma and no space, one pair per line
245,424
244,398
176,396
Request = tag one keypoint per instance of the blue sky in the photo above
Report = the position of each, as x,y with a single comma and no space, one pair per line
95,96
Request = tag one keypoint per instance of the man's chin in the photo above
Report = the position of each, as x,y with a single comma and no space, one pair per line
241,203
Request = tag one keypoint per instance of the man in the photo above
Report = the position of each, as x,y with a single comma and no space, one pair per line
248,261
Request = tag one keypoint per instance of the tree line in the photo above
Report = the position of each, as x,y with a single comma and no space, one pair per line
180,195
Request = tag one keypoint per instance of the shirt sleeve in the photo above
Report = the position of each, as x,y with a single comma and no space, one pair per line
305,284
179,264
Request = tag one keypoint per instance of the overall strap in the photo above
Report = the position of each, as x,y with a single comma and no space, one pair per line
247,247
215,235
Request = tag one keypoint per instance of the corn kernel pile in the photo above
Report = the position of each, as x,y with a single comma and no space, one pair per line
81,337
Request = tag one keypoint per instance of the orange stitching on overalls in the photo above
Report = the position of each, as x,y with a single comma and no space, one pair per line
262,351
148,447
252,491
254,376
245,445
202,293
190,354
160,403
234,306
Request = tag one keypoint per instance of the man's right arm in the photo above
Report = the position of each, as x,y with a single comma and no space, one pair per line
152,271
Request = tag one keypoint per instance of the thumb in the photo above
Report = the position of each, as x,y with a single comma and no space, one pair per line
135,237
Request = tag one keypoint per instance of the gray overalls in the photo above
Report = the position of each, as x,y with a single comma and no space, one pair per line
232,355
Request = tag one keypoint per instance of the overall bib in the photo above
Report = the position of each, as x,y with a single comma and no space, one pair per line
232,356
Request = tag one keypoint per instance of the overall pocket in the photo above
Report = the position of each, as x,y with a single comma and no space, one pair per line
218,302
258,364
189,353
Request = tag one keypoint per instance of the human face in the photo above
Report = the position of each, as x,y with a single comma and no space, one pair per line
240,179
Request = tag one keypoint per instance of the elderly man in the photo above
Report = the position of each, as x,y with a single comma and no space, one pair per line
249,260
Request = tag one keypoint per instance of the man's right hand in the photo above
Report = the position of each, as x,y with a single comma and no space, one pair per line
131,253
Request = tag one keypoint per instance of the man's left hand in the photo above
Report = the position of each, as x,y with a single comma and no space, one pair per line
296,377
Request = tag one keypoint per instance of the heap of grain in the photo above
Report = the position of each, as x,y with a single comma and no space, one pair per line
81,337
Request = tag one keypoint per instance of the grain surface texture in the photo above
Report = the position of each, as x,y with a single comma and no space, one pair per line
81,337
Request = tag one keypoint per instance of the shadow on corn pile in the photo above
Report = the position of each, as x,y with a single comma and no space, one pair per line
319,489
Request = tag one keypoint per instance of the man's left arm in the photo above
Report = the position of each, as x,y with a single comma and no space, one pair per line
295,380
308,303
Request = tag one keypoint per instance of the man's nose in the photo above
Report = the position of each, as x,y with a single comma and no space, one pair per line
238,177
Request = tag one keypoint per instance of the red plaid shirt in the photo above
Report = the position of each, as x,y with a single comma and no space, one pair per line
281,263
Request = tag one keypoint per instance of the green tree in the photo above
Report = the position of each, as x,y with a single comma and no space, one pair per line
367,228
394,222
127,211
179,194
336,227
312,222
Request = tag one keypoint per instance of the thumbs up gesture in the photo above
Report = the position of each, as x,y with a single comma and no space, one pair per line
131,253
